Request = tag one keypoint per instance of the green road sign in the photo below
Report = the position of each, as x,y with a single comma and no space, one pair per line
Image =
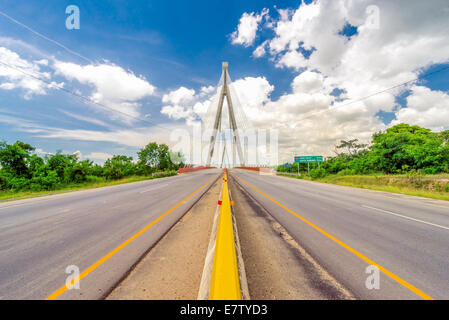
308,159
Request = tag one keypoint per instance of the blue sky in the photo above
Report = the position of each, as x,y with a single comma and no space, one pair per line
172,44
181,44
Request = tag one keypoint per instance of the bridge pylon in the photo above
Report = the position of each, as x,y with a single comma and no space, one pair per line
225,93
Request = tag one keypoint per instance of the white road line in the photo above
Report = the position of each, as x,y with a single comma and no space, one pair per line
405,217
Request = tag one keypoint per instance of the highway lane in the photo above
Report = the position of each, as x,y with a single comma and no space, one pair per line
408,236
41,237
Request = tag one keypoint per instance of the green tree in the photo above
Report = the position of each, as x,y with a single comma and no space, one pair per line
149,157
444,135
118,167
404,147
62,164
79,171
14,158
351,146
154,157
165,162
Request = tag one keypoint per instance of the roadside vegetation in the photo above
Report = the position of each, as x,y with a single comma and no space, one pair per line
403,159
24,173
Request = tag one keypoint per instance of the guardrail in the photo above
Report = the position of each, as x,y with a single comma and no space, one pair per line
262,169
225,281
249,168
191,169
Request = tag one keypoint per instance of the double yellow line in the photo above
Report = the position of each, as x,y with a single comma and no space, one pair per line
225,282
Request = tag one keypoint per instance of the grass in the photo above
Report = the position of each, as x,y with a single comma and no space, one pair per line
101,182
428,186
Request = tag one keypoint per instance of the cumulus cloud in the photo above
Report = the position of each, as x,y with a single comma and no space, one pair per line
247,28
260,50
181,95
42,152
184,103
98,156
114,86
425,107
409,37
253,91
302,117
11,78
310,82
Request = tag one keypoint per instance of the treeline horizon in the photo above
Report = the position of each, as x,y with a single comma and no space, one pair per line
401,149
22,169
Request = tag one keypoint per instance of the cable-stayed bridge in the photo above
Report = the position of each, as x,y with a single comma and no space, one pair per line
233,233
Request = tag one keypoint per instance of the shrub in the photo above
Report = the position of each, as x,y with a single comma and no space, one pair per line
19,183
346,172
94,179
317,173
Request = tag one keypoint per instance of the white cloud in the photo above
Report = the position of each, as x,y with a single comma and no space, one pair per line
260,50
247,28
206,90
42,152
177,112
310,82
84,118
78,154
253,91
302,118
11,78
114,87
292,59
184,103
43,62
136,137
181,95
426,108
411,36
98,156
180,104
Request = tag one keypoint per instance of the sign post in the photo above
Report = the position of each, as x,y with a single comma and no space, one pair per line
308,160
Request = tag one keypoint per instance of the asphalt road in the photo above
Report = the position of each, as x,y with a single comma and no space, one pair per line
41,237
406,235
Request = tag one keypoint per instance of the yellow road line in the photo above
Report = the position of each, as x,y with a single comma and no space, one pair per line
61,290
347,247
225,282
